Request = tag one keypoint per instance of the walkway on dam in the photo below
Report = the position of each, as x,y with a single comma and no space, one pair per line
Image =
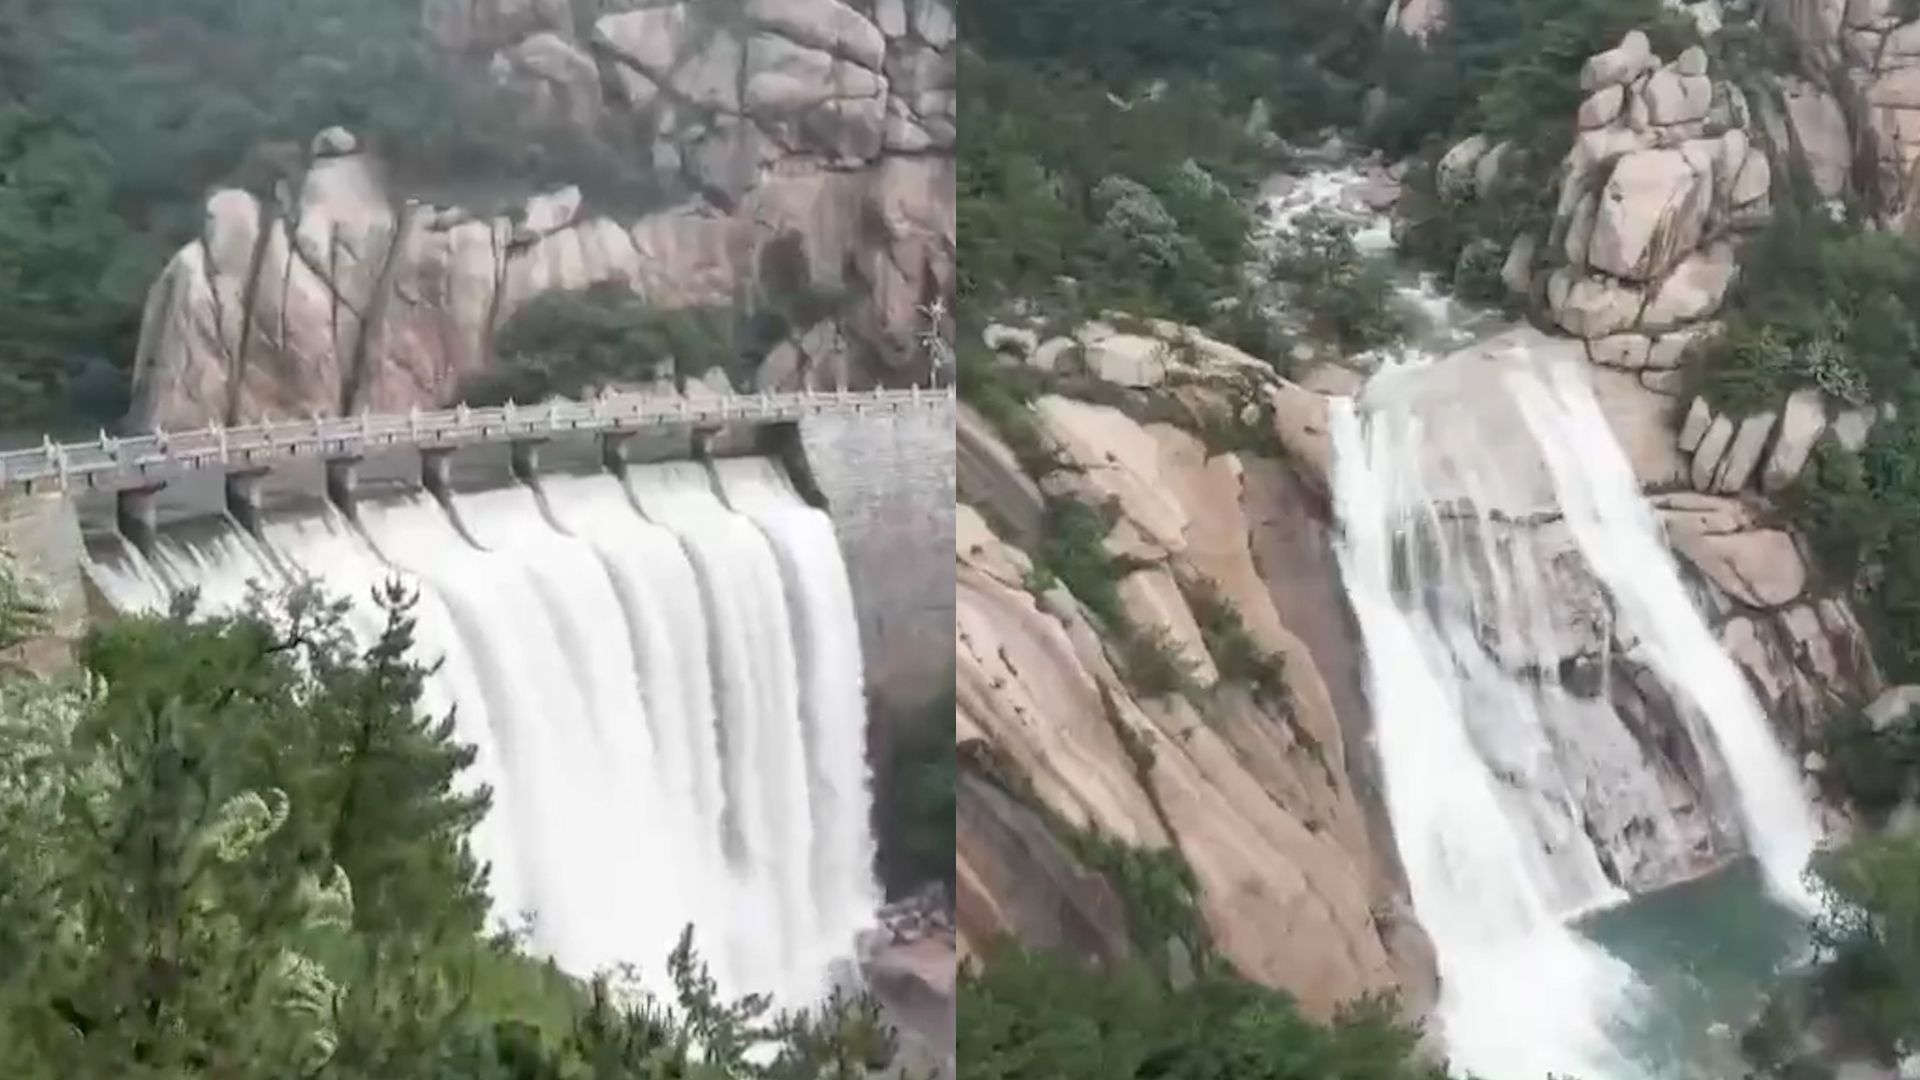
114,464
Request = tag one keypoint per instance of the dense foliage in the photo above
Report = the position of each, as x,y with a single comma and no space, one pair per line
1859,511
1069,196
1300,58
1340,296
1818,304
1861,995
1029,1016
235,847
1509,69
916,802
568,344
116,116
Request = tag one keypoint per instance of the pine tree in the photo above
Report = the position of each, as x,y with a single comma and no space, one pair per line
233,848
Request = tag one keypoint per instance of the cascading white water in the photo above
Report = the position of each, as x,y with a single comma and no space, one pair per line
769,820
819,594
656,587
1489,765
670,727
1625,546
1495,548
1523,997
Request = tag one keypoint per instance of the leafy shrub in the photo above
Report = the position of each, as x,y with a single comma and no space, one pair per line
1509,69
1871,770
915,815
568,343
1154,663
1466,242
1816,304
1085,204
1868,938
1346,299
1303,58
1074,552
1476,275
1157,887
1233,649
1860,512
1001,393
236,847
1024,1016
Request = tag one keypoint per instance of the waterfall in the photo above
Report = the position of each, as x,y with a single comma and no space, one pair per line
1518,803
818,591
1619,537
663,690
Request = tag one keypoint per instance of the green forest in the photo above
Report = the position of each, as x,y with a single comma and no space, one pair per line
237,847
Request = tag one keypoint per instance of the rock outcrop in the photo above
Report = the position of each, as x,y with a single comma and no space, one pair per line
1257,793
1856,120
1417,19
1803,651
1663,176
1769,449
1669,168
813,140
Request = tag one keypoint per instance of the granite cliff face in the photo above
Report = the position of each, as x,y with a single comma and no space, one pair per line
1265,797
814,140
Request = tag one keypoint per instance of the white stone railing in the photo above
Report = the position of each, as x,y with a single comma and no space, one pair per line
113,463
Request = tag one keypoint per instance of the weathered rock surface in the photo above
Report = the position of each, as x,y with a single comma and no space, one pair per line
1728,452
1802,423
1651,213
1857,124
1664,172
1418,19
1761,568
1017,879
1254,794
814,148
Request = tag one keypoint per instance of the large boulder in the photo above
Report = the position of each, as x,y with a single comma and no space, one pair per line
1743,453
1592,307
1620,65
1650,215
1128,359
1819,130
1802,423
1761,568
1300,419
1693,291
1417,19
1673,97
1457,166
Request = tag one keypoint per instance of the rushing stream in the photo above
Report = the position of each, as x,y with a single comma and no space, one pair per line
1494,542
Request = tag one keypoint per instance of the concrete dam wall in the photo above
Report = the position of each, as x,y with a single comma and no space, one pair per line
888,484
885,477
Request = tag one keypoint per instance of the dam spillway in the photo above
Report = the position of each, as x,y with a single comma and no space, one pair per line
658,667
